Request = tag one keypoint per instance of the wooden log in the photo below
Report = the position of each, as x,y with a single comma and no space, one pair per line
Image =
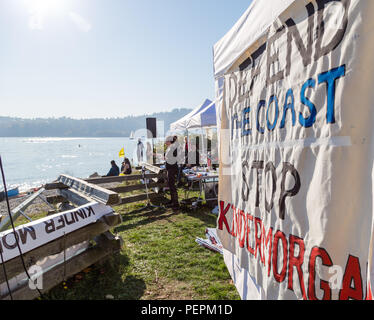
119,179
55,185
140,197
75,197
154,164
152,167
55,199
63,271
109,241
14,267
124,189
95,192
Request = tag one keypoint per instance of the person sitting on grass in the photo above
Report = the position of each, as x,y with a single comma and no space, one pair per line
126,166
114,170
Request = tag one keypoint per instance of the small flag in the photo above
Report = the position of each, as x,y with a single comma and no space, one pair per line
122,153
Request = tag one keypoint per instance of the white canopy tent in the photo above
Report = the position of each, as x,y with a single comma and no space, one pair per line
237,46
202,117
193,119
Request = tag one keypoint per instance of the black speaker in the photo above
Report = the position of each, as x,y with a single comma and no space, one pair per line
151,128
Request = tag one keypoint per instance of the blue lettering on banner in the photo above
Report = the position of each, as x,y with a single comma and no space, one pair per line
246,121
261,105
308,122
329,79
288,106
271,126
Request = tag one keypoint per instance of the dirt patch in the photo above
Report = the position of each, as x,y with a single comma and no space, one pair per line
165,289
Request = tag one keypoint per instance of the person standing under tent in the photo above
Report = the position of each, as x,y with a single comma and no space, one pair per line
180,159
140,150
186,150
171,164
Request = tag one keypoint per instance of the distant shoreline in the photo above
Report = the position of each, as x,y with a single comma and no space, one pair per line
60,137
11,127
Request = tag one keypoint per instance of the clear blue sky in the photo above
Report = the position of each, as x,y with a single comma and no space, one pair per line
109,58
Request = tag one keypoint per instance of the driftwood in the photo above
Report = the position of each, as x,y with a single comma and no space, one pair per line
55,185
75,197
92,191
103,180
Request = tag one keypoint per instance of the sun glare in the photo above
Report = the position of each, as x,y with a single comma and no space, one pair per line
45,6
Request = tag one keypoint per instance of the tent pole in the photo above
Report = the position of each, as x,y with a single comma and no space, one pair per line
203,144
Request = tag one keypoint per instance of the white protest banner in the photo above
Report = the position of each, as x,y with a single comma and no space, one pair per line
34,234
297,147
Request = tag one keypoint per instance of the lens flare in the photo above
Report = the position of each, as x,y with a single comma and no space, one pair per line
45,6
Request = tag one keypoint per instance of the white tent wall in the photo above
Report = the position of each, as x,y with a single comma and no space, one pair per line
294,102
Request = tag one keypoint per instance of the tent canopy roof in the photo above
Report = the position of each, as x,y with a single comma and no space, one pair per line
205,118
248,29
202,116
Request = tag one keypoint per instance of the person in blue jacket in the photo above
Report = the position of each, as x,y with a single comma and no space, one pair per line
114,170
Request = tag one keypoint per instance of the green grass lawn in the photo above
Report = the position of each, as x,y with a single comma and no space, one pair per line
160,260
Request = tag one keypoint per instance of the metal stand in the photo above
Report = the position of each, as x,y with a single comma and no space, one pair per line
149,204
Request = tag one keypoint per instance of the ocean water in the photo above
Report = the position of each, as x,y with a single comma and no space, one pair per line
32,162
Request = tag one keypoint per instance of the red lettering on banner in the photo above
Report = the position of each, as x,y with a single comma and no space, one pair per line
222,216
296,262
352,276
324,285
234,222
269,243
282,275
258,222
242,218
251,250
292,254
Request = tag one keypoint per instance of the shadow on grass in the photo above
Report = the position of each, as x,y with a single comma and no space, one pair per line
145,215
146,218
105,280
134,288
203,213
